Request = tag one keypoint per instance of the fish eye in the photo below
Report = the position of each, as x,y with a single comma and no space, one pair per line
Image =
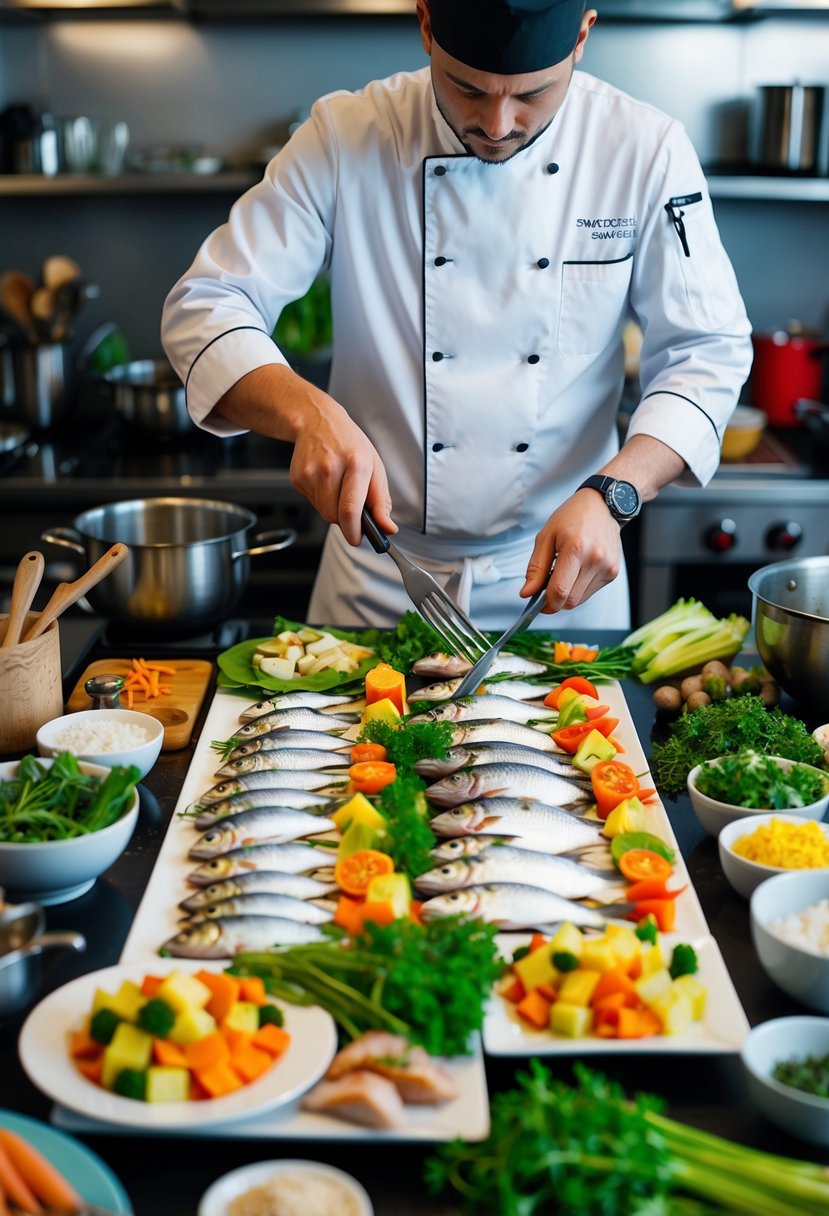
454,897
446,870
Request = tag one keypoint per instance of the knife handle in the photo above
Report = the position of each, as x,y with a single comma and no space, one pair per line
375,536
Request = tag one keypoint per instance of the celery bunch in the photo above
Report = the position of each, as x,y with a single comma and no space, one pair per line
685,636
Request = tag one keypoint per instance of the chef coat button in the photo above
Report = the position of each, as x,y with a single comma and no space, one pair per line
551,168
543,263
534,359
440,170
441,261
437,356
521,447
437,447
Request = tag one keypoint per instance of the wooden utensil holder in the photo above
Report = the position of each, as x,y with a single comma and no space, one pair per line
31,688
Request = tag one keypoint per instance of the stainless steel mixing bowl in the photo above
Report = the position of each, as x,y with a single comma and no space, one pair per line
790,612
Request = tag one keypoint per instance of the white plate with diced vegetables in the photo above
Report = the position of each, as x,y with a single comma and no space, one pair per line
297,657
717,1022
52,1050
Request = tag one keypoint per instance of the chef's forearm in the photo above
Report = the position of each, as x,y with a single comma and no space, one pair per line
275,401
646,462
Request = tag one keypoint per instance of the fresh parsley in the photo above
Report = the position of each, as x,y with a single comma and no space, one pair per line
752,780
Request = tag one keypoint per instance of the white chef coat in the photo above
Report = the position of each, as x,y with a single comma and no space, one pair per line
478,312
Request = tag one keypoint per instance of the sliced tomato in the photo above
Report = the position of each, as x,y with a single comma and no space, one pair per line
595,711
569,737
577,683
353,873
639,864
613,781
368,751
371,776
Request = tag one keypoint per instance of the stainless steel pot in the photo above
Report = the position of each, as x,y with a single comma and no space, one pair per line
148,394
22,945
791,626
188,560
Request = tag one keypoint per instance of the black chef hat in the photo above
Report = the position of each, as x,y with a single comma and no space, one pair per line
507,37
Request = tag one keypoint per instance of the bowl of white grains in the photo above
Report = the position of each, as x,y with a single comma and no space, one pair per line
790,931
107,737
286,1188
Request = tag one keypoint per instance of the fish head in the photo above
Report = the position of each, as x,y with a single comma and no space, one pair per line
460,846
451,903
215,841
457,821
451,790
212,871
238,767
448,877
201,940
441,691
225,790
257,710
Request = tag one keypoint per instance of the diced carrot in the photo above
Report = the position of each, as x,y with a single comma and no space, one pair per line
151,984
165,671
252,988
234,1037
349,914
612,982
606,1017
15,1187
250,1062
219,1079
83,1047
272,1038
605,1030
204,1053
515,992
535,1009
168,1054
224,990
537,941
612,1003
414,911
582,654
547,991
93,1070
380,911
197,1092
637,1023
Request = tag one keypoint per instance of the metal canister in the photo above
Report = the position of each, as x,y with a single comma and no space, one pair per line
790,127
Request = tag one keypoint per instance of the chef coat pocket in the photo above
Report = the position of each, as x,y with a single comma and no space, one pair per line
710,282
593,304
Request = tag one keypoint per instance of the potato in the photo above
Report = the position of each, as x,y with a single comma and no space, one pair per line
689,685
667,699
716,668
697,700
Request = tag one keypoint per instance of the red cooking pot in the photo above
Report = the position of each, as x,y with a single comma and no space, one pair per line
787,366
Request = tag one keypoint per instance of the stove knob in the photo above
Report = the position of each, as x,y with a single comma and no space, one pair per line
784,536
722,536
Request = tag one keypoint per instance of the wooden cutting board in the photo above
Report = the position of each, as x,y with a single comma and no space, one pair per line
176,710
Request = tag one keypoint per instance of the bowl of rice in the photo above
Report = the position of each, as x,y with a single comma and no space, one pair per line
286,1188
752,850
105,736
790,931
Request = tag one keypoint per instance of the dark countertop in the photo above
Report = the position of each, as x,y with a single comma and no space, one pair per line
167,1177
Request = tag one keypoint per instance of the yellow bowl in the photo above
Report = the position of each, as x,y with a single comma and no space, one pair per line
743,433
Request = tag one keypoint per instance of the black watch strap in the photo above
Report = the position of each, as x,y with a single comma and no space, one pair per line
609,488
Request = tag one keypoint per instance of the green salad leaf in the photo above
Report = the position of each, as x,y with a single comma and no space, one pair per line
238,673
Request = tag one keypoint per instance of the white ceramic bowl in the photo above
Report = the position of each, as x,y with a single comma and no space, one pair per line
801,973
714,815
217,1198
743,874
143,756
59,870
798,1113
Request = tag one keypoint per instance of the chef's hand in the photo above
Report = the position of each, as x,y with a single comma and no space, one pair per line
587,540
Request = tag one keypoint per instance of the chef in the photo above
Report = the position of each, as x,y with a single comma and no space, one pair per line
490,224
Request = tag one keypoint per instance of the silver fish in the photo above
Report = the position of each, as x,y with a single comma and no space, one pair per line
519,690
559,875
246,783
439,665
309,912
495,731
508,781
285,858
302,698
514,906
259,882
233,934
487,705
495,753
299,718
292,800
285,759
322,785
277,825
596,852
547,828
290,740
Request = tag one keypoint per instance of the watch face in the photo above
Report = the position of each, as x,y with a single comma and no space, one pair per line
625,498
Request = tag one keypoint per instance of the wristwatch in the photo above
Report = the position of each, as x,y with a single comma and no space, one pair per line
621,498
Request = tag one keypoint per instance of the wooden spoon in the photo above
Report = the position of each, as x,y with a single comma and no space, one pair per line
67,593
26,582
59,269
16,291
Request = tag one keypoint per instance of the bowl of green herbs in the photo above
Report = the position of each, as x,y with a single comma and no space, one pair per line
786,1066
63,822
747,782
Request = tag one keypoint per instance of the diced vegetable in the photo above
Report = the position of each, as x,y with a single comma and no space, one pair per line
384,683
353,873
371,776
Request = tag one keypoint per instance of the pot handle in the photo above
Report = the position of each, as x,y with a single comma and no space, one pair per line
68,538
266,542
53,941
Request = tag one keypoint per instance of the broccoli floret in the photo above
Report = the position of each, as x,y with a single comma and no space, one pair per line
715,686
647,930
103,1024
131,1083
520,952
270,1013
564,960
156,1017
683,960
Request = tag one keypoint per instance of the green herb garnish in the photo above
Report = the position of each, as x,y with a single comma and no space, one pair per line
410,741
407,839
752,780
724,727
684,960
811,1075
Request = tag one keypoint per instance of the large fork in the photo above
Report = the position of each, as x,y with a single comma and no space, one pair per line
454,627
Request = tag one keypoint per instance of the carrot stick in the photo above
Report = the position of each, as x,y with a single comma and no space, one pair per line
15,1187
164,671
47,1183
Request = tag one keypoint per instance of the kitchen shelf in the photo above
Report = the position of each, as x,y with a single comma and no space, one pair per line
769,189
23,185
